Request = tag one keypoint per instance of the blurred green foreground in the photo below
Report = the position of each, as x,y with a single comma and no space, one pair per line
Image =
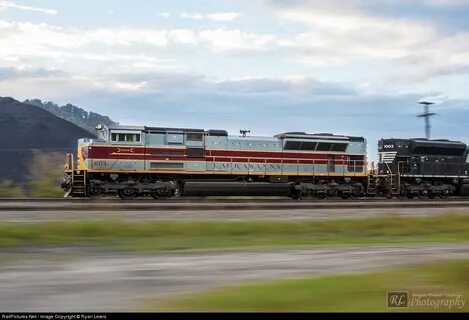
222,235
436,287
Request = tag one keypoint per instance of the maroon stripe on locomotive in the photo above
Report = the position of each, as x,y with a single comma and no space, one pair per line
142,153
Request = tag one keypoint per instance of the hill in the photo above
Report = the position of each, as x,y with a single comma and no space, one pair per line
80,117
25,128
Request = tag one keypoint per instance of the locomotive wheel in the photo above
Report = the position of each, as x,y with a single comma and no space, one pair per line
127,193
162,193
95,191
447,194
332,193
357,192
295,196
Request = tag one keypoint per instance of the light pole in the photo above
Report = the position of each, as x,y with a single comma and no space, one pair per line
426,114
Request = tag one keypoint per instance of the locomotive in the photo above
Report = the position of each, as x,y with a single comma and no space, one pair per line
424,168
135,161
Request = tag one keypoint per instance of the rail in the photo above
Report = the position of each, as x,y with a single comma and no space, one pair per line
83,205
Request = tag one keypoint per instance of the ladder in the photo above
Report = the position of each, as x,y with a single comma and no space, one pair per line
371,184
78,178
371,180
394,183
79,183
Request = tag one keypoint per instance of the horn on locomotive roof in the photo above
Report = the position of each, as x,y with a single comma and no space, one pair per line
244,132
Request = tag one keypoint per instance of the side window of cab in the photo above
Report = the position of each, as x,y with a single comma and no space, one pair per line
126,138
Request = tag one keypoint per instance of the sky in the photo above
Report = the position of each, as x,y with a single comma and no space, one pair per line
356,67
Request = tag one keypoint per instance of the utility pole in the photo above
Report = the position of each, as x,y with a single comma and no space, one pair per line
426,114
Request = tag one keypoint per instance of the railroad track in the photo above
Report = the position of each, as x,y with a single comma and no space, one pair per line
198,204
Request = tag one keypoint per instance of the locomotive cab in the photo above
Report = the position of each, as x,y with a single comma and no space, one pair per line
393,153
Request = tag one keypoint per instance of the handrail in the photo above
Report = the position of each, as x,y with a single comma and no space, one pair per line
69,162
387,165
351,167
71,166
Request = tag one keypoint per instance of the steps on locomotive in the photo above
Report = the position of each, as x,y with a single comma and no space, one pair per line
394,184
79,184
371,185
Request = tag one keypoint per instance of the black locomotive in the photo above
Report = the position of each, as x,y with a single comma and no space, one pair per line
423,168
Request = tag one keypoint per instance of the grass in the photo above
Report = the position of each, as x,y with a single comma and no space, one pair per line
176,236
354,292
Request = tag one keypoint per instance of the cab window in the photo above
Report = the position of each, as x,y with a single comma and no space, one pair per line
125,137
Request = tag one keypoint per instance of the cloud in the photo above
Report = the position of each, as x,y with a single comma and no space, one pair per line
436,3
130,85
300,86
164,15
48,44
219,16
11,5
353,33
195,16
45,45
183,36
341,33
333,37
426,73
223,16
235,39
10,73
185,83
347,37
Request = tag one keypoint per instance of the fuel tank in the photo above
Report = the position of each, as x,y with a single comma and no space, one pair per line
235,188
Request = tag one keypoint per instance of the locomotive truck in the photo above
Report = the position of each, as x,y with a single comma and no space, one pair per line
136,161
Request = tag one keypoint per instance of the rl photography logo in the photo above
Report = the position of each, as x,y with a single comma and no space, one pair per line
443,301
